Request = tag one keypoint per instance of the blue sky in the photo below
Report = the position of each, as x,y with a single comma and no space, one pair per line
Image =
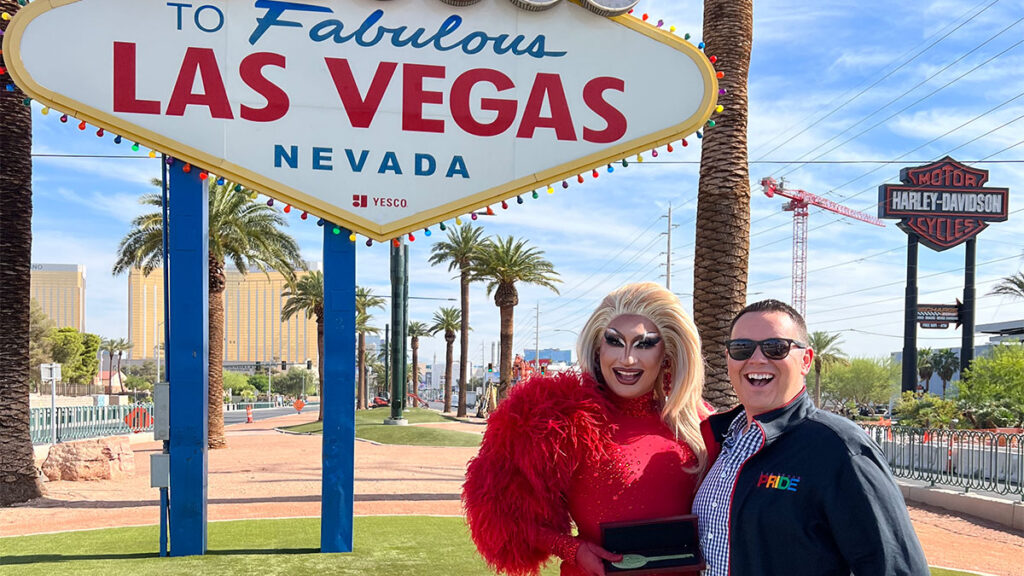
845,84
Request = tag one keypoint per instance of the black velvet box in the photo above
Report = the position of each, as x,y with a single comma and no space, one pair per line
651,538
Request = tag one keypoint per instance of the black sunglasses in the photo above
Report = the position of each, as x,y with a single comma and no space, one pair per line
773,348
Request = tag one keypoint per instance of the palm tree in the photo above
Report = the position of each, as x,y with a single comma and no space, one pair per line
247,233
18,479
121,345
946,364
416,331
723,197
447,320
502,263
925,367
826,352
365,300
1010,286
107,345
460,251
307,295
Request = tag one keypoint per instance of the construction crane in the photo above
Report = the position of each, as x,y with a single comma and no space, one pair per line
799,201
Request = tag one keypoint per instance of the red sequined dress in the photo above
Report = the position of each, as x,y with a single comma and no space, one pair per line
564,448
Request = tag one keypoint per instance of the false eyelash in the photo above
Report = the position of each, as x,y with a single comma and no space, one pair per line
647,343
613,340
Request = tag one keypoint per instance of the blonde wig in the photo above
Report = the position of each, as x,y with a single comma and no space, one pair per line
684,408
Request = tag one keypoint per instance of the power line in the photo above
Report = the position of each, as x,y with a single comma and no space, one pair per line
908,106
901,58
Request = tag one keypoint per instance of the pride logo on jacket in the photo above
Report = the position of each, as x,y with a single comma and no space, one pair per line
778,482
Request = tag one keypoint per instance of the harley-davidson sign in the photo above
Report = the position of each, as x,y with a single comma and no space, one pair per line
944,203
384,117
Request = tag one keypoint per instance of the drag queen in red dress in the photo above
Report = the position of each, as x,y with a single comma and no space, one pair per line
619,441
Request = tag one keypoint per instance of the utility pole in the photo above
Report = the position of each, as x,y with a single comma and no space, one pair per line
668,250
536,342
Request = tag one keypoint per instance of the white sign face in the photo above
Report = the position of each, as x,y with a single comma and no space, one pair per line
383,117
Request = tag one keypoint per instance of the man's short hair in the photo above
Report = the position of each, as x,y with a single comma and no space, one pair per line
772,305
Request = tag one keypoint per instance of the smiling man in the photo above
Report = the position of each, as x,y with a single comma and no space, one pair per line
795,490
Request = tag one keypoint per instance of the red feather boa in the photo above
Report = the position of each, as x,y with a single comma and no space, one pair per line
516,485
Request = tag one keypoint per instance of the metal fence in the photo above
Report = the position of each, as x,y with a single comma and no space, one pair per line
80,422
968,459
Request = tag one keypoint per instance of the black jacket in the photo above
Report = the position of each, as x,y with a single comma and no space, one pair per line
817,499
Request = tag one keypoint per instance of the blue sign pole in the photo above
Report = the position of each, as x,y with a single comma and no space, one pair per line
338,401
188,358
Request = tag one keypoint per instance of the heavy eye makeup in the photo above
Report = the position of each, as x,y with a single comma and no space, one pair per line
613,338
644,342
647,341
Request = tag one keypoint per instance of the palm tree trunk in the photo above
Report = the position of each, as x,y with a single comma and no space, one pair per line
320,366
505,354
120,382
18,479
215,399
817,388
361,377
723,201
110,372
464,360
448,362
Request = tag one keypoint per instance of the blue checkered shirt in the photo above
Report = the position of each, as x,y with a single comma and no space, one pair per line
714,498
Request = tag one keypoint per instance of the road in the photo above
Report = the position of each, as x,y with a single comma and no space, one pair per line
238,416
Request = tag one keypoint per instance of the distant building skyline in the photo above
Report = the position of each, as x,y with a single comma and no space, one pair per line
60,291
552,354
253,330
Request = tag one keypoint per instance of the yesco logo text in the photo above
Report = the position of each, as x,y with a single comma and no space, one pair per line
778,482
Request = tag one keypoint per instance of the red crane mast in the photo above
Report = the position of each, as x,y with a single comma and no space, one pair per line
799,201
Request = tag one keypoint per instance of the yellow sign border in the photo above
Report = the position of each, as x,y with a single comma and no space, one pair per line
337,214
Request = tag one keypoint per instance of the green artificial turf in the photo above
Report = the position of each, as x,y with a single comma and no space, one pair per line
383,546
392,545
370,426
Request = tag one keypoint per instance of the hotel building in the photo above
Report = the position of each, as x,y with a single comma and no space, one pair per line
253,330
60,290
